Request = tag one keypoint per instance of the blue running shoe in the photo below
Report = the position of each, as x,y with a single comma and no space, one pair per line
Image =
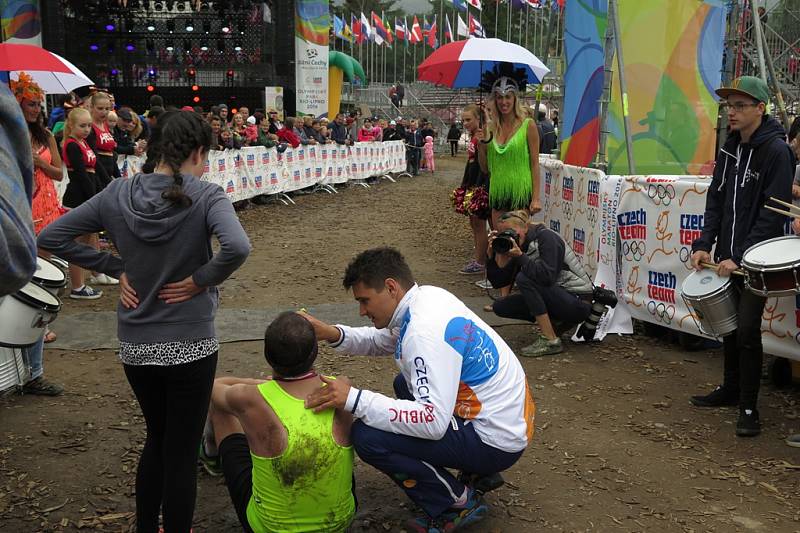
453,519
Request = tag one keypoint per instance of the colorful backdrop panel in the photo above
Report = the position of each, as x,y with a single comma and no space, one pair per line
673,62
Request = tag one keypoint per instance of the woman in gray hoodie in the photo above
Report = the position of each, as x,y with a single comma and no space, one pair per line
161,224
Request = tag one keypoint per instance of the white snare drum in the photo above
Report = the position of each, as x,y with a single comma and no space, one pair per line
49,276
24,314
772,267
13,370
714,300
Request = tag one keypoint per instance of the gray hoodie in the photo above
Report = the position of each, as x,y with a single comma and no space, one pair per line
158,243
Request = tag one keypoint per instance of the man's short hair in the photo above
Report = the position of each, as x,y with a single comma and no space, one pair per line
156,101
373,267
290,345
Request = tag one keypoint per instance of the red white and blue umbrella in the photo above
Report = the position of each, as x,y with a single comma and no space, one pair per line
53,73
462,63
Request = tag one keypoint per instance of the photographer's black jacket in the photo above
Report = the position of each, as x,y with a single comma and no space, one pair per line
544,269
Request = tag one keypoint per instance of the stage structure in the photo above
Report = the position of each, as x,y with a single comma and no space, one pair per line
223,52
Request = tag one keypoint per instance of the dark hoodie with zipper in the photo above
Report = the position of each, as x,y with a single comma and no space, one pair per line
745,177
159,243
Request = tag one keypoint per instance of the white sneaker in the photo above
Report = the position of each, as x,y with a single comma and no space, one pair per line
103,279
484,284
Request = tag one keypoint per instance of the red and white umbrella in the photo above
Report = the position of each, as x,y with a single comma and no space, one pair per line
462,63
53,73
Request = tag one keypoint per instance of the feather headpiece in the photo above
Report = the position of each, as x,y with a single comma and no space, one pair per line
504,78
25,88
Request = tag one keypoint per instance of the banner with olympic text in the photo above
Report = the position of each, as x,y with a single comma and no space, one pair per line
658,218
580,205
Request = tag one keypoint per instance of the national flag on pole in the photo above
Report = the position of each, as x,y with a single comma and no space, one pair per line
366,30
476,4
357,30
389,35
433,30
406,33
380,28
448,30
461,27
399,30
460,5
475,28
341,29
536,4
347,33
416,32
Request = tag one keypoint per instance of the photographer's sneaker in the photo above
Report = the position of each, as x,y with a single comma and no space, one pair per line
473,267
103,279
484,284
543,346
453,519
748,424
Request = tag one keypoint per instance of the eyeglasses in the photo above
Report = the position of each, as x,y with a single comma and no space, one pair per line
737,106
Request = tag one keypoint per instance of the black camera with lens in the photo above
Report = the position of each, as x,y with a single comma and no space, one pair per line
504,241
601,300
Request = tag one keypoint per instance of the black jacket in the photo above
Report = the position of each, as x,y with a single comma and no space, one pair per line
547,137
338,132
453,134
745,177
544,269
391,134
125,144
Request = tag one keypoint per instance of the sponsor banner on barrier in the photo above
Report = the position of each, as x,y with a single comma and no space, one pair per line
580,205
256,170
658,218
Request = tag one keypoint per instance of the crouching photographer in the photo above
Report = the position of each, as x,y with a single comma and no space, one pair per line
555,291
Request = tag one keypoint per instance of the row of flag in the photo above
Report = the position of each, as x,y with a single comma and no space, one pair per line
374,29
461,5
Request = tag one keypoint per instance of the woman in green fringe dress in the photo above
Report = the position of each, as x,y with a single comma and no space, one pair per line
511,153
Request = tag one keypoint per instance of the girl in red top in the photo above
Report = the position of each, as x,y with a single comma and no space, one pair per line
81,164
101,138
366,133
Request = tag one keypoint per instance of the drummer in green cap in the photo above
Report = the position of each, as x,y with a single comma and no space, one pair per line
754,164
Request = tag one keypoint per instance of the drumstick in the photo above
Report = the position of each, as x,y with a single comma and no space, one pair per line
782,212
715,266
793,208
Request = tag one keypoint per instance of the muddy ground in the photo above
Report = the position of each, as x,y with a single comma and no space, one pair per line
617,445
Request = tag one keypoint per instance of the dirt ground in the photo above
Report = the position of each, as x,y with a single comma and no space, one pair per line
617,445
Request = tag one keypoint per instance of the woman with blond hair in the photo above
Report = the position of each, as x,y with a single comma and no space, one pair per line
510,154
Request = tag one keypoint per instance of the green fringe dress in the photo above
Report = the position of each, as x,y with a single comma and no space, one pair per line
510,172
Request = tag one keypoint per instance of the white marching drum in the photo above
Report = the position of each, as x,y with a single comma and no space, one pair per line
49,276
714,300
772,267
13,370
24,315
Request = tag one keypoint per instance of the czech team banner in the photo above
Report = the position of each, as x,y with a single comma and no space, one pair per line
634,233
673,63
312,23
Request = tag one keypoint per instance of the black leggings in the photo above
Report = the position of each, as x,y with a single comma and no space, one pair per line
174,401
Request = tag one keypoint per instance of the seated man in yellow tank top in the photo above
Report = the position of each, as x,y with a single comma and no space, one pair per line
286,467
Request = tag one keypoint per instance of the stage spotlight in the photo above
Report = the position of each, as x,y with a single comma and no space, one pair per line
130,47
151,26
195,88
151,73
110,27
93,47
170,46
226,28
196,99
238,47
204,47
189,25
171,26
229,74
150,88
241,28
114,72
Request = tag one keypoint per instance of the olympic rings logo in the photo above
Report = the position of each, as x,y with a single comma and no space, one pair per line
567,209
591,215
661,194
663,312
684,255
634,250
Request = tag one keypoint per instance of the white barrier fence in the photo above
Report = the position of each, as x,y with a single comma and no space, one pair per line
253,171
635,233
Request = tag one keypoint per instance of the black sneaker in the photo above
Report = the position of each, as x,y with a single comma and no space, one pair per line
748,424
719,397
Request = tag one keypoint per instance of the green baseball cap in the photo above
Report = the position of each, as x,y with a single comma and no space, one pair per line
750,86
